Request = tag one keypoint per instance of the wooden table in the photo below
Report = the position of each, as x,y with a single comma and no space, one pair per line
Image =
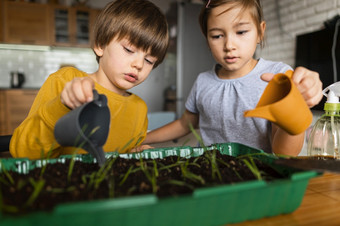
320,206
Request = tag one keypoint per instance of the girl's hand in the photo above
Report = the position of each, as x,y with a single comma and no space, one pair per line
308,83
141,148
77,92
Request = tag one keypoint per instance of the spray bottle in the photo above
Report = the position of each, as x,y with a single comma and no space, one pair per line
324,140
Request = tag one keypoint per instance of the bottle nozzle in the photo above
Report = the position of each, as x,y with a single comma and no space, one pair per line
333,93
332,98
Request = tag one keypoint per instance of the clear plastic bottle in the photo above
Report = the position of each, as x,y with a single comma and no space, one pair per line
324,139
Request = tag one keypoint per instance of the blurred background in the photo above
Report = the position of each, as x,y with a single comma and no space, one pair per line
38,37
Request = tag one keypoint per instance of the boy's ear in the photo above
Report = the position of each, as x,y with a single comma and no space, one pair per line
98,50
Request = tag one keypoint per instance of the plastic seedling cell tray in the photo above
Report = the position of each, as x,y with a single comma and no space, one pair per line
206,206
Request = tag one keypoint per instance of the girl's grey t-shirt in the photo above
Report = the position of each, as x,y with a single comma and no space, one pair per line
221,103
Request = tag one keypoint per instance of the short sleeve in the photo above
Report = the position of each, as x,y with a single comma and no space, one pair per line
190,104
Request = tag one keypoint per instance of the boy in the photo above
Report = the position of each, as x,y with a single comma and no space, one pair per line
130,39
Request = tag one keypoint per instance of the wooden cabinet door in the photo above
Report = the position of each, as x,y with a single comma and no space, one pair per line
15,105
81,25
72,25
26,23
1,21
60,25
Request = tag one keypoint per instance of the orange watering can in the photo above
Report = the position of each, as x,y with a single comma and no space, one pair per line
283,104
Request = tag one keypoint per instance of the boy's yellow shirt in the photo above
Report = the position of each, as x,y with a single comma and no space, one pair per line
34,137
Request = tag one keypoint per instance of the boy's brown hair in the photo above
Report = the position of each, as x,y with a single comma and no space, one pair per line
140,21
254,7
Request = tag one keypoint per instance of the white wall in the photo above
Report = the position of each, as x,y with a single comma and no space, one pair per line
38,65
292,18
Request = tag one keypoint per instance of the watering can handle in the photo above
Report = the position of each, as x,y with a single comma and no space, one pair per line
95,94
99,99
289,73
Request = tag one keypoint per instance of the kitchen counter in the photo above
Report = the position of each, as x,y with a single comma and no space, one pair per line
320,205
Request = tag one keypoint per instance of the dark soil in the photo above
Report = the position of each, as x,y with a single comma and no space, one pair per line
121,177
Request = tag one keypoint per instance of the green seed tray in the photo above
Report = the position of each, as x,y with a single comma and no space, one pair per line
206,206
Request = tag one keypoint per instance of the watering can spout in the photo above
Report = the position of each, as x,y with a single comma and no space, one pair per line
260,112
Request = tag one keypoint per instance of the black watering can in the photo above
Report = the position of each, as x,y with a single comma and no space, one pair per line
86,127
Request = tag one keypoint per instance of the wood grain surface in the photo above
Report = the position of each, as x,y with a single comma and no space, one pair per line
320,206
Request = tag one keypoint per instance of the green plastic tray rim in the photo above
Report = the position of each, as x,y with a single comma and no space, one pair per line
206,206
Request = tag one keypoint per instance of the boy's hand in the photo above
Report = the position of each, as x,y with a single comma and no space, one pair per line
307,82
77,92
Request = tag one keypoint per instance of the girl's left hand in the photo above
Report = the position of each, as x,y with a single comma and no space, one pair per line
141,148
308,83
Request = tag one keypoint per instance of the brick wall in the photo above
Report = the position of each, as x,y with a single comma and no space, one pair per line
288,18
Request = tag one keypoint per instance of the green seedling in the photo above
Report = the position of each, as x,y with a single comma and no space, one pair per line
214,166
61,190
212,158
151,176
111,185
43,168
4,181
72,161
139,140
169,167
185,142
131,190
255,155
155,168
186,173
37,186
127,144
180,183
197,136
89,180
230,167
126,175
21,183
96,178
102,173
252,167
7,175
71,165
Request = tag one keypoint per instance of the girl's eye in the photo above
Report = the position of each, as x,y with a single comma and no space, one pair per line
241,32
216,36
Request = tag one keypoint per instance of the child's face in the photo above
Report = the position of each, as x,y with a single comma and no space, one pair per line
122,66
232,38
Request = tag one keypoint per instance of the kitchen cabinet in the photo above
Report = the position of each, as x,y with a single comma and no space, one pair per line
14,107
1,21
25,23
46,24
72,26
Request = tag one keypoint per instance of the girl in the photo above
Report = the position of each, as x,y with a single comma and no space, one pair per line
130,39
233,29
